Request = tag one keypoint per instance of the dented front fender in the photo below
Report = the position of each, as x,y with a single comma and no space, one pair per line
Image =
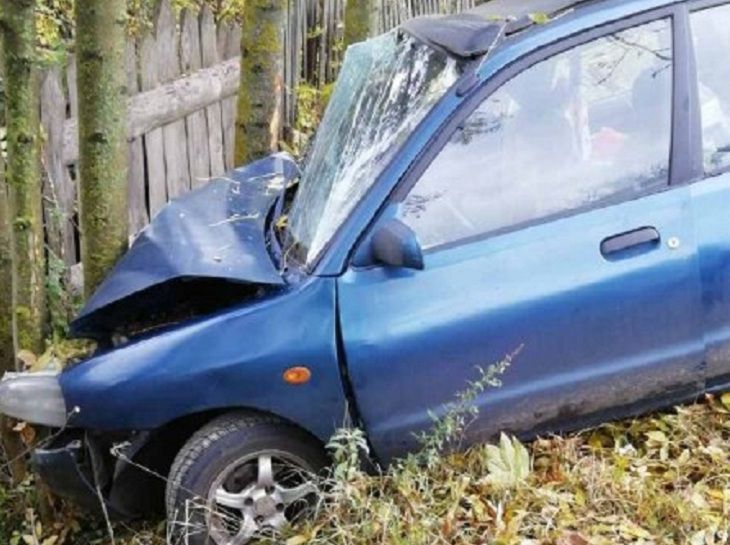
233,359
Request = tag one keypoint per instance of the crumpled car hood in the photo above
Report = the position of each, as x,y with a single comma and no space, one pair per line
215,232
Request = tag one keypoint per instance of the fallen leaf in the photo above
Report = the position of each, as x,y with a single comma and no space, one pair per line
509,463
539,18
572,538
27,358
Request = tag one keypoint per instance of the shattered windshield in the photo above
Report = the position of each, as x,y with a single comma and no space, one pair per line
386,87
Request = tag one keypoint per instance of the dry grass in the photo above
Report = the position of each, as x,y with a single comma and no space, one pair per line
659,479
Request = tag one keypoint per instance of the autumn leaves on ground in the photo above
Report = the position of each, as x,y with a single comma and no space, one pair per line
664,478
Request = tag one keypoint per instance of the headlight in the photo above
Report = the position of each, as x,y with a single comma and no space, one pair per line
35,398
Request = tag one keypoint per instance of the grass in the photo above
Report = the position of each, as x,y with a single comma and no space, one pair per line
660,479
663,478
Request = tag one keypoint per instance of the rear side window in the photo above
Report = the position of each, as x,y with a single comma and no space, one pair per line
590,125
712,46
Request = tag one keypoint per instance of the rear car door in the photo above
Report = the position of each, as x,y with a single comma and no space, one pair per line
549,223
711,195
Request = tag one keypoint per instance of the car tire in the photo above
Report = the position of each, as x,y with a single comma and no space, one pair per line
203,500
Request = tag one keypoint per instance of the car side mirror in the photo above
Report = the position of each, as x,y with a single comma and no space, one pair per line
395,244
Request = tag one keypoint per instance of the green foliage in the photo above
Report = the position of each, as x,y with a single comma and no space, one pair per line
55,26
62,305
357,21
311,103
347,448
448,428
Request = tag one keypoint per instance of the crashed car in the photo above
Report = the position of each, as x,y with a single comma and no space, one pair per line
479,182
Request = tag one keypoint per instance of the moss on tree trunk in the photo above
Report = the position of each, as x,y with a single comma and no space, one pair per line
7,351
358,21
100,31
10,440
23,175
258,124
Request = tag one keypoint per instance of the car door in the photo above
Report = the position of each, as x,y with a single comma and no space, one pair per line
543,228
711,195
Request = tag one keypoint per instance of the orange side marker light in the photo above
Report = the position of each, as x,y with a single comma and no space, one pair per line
297,375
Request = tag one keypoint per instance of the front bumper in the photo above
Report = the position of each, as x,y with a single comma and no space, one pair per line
80,468
64,468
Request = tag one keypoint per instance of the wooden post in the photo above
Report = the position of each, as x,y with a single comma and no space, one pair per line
259,119
100,31
24,173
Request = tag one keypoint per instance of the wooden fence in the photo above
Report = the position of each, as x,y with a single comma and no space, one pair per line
182,80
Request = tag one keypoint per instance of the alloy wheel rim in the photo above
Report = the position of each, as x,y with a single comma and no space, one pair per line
257,494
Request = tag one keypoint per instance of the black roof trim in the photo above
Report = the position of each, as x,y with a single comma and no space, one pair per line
475,33
465,36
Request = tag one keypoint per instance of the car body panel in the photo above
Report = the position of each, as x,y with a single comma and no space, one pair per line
710,203
596,333
234,359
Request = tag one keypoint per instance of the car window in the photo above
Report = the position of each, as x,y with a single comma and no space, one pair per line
712,43
589,125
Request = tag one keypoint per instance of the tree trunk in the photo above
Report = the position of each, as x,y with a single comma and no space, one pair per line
11,442
24,175
101,81
7,350
259,122
358,21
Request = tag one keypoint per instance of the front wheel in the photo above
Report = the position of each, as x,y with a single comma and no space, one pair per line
241,476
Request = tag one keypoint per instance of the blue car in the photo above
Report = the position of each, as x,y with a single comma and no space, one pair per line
544,174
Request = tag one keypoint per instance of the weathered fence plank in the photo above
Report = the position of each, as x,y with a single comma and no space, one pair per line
70,184
136,197
213,112
153,140
150,110
177,169
229,46
58,199
195,123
